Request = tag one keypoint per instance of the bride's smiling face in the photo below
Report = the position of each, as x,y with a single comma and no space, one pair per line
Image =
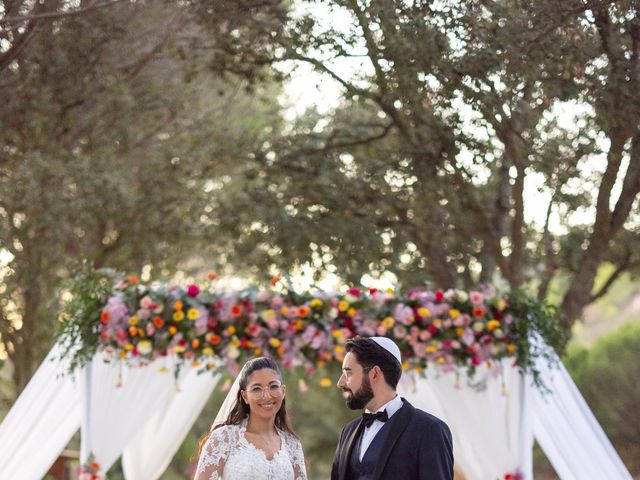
264,393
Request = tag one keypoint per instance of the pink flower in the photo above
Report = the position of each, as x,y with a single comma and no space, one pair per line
476,298
354,291
146,302
193,290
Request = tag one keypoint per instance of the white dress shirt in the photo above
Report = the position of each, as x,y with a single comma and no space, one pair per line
370,432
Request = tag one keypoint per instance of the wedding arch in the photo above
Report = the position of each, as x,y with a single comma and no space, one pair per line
135,364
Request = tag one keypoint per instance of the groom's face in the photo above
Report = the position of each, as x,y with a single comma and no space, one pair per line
355,384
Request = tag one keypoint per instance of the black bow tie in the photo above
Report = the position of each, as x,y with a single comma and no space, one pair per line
369,418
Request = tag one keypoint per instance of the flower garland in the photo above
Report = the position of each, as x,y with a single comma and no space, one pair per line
201,325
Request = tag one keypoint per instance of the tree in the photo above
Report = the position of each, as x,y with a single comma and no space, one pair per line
113,138
453,110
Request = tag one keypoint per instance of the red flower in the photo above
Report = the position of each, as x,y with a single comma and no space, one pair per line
104,317
432,329
236,310
373,291
193,290
354,291
158,321
475,361
478,312
439,295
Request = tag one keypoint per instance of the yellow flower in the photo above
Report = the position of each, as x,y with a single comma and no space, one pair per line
459,331
388,322
337,333
316,303
437,323
178,315
163,369
274,342
257,352
284,310
453,313
123,354
207,351
178,349
268,314
431,349
405,365
192,314
424,312
512,347
389,291
440,360
492,324
128,347
343,305
144,347
133,320
299,325
172,330
231,329
195,363
338,350
326,382
234,342
351,312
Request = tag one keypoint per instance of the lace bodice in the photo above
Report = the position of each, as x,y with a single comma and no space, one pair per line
228,455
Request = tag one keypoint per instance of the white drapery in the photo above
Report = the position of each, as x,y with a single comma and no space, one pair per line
148,455
41,422
117,404
569,434
147,418
491,427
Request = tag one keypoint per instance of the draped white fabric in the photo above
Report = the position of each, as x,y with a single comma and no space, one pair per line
491,427
493,430
148,455
117,403
569,434
41,421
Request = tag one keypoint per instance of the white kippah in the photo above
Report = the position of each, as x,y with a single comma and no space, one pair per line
389,345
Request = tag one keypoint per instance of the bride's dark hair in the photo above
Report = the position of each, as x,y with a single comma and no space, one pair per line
241,409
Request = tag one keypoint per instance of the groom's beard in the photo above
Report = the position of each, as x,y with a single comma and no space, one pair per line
357,400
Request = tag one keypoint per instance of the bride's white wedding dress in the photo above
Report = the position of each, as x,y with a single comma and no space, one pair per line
228,455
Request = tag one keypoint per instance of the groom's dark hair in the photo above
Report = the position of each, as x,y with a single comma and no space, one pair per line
369,354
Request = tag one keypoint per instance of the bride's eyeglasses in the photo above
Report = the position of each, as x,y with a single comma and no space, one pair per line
275,390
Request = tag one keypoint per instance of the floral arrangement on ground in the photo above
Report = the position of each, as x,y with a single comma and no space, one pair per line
206,327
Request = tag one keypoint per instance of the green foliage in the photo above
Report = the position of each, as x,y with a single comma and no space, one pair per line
79,331
607,375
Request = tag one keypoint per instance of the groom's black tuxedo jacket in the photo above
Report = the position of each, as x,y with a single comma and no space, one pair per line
418,447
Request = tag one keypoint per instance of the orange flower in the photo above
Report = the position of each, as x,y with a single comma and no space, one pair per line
134,279
212,276
178,305
133,331
158,322
95,465
275,279
215,339
478,312
195,343
281,350
303,311
104,317
236,310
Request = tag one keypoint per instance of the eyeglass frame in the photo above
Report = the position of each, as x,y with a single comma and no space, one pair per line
271,389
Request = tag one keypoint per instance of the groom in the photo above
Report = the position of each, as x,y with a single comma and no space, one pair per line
392,440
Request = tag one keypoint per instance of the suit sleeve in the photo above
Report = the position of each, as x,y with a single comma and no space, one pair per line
436,454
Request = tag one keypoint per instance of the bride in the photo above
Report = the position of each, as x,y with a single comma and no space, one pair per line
254,441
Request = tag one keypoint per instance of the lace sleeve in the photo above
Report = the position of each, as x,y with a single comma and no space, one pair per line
215,452
297,457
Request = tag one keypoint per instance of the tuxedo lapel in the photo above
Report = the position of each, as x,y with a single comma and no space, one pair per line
398,426
345,453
